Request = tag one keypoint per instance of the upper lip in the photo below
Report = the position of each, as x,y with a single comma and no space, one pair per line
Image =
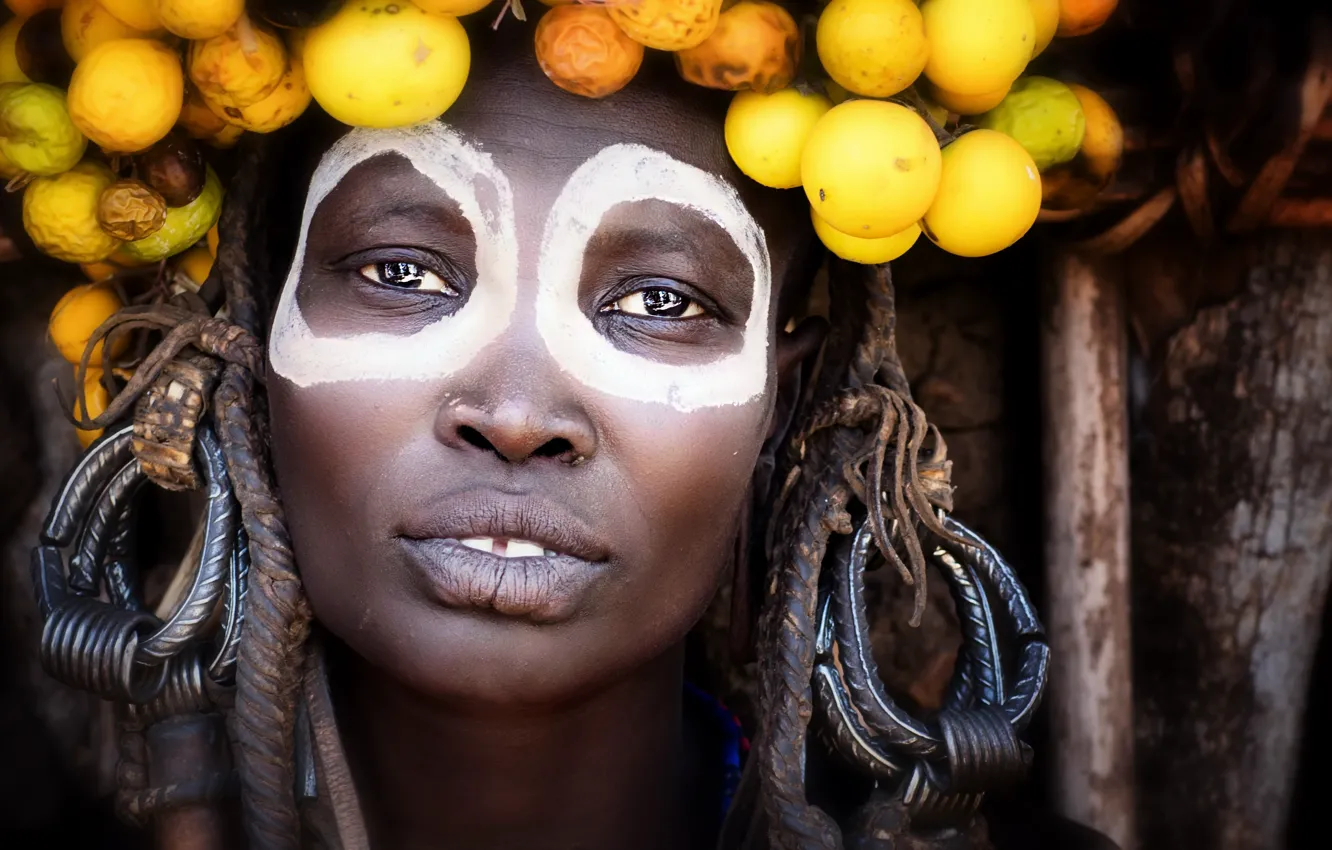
511,518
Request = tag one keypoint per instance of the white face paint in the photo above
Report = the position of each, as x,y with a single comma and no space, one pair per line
440,348
617,174
621,174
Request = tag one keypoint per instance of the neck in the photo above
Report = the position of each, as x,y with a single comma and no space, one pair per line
608,771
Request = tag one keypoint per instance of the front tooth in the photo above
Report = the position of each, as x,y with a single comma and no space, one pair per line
523,549
550,553
481,544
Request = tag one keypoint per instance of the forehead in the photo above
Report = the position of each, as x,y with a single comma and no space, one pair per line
538,134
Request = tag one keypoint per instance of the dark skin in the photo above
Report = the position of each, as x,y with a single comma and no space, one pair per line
476,715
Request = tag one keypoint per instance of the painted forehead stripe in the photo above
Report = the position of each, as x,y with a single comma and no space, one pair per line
615,175
445,346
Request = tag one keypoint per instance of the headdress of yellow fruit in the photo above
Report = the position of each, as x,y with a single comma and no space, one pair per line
199,18
126,94
229,70
871,168
989,195
866,251
756,46
977,46
386,64
876,48
667,24
283,105
766,133
85,24
582,51
79,313
60,214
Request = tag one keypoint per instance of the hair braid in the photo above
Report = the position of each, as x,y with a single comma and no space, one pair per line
815,497
861,377
277,615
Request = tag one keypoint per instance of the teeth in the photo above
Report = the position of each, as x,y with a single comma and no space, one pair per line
523,549
481,544
506,548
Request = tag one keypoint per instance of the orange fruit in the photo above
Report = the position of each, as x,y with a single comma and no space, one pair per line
583,51
755,46
1079,17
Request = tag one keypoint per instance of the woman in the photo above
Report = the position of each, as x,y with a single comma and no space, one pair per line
537,376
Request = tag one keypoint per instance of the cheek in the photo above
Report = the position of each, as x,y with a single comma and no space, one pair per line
690,474
331,447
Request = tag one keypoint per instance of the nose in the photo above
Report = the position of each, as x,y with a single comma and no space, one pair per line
518,430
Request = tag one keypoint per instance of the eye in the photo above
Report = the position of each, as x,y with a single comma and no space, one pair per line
657,303
404,274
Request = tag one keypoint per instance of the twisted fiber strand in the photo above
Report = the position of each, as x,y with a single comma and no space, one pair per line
240,230
216,337
818,494
277,622
785,682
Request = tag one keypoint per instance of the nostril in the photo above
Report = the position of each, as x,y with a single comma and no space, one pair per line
554,448
475,438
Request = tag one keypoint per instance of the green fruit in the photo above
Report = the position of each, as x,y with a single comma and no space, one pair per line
183,227
36,133
1044,116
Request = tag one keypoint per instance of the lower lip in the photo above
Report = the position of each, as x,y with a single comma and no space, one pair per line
543,589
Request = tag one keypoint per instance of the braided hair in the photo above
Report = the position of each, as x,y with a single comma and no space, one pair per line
856,433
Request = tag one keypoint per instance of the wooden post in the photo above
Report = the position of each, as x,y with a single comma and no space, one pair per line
1087,552
1232,539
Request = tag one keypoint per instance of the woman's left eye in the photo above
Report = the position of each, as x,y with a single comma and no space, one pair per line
656,303
404,274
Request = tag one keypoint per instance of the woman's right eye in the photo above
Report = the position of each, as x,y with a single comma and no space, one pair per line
405,274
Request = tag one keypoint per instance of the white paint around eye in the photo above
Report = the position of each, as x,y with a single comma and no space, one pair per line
447,345
627,173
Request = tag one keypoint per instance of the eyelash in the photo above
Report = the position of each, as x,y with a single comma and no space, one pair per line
430,280
639,302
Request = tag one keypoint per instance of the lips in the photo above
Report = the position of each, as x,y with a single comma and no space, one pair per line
517,557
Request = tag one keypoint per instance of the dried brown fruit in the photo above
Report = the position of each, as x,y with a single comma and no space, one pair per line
174,167
131,210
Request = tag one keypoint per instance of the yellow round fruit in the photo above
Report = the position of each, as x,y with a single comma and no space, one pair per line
140,14
667,24
84,24
283,105
867,251
8,170
37,134
967,104
989,195
77,314
977,46
384,64
60,214
457,8
194,265
196,19
28,8
184,226
199,120
227,74
99,271
97,398
10,72
1045,15
125,95
766,133
875,48
871,168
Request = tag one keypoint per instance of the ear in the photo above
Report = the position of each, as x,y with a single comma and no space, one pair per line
795,348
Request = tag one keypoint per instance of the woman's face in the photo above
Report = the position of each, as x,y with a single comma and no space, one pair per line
521,371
